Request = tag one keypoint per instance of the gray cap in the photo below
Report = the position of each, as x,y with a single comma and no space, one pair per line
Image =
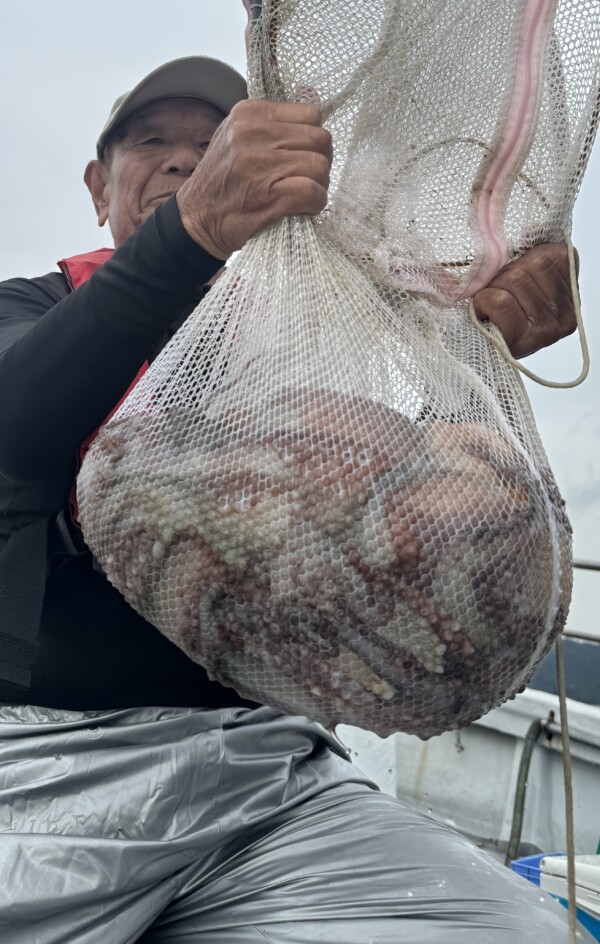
199,77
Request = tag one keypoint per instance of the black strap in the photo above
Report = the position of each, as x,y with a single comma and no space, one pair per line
65,541
22,588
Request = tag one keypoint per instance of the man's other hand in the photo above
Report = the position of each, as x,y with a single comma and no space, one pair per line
267,160
530,300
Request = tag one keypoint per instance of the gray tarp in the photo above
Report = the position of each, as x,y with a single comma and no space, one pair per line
230,827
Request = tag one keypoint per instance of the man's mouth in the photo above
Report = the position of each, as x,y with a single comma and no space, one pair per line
159,196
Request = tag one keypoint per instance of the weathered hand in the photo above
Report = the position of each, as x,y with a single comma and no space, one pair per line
267,160
530,300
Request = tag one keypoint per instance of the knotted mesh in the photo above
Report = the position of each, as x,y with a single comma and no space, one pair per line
329,488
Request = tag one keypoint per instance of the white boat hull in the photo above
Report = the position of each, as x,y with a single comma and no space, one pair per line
467,780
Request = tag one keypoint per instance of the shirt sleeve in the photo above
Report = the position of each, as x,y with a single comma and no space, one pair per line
65,364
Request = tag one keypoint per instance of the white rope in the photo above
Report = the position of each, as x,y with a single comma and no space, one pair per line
496,338
568,778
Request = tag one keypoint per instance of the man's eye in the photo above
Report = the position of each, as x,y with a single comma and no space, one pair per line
151,141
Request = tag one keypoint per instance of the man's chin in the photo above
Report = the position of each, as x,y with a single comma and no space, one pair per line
123,232
126,231
147,212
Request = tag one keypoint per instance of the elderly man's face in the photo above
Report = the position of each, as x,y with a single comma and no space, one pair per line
151,155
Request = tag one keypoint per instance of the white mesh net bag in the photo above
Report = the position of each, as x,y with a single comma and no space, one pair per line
329,489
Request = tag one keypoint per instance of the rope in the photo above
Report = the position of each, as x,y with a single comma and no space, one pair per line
498,341
568,777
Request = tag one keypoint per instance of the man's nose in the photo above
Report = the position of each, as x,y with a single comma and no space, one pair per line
183,159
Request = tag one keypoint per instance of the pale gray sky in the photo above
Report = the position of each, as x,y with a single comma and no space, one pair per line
62,64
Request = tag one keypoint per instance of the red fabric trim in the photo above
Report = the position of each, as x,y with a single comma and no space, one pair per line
77,270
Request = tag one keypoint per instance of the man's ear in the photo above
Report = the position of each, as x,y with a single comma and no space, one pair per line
96,180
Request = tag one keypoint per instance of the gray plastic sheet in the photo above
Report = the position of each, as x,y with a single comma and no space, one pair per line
234,826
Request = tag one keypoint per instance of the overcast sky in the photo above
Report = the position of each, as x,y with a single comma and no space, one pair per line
62,64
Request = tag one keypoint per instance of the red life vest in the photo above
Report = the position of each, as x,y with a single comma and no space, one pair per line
77,270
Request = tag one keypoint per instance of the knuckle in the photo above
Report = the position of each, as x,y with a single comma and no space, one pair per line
313,190
549,257
568,323
553,251
234,122
316,197
242,110
503,302
548,331
549,263
483,301
312,113
323,138
517,280
243,126
321,167
242,133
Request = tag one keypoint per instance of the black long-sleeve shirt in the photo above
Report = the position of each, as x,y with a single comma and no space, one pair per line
66,359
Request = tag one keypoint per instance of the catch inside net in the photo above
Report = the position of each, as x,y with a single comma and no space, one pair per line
329,489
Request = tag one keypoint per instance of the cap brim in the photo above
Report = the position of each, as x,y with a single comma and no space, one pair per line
200,77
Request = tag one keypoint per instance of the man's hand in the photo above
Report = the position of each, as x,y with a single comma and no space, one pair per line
530,300
266,160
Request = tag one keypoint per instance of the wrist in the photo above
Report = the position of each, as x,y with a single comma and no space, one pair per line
198,233
196,261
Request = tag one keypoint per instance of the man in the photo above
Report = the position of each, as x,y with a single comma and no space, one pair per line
142,802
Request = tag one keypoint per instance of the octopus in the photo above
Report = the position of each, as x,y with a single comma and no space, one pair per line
326,555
